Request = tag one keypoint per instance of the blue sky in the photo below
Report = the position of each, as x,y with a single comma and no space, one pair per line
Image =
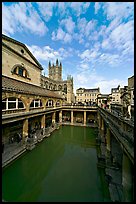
93,40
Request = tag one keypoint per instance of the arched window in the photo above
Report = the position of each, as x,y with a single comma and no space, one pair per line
49,103
12,103
20,70
58,103
59,87
65,88
36,103
55,87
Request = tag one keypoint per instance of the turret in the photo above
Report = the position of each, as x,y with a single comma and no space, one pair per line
60,65
49,64
57,62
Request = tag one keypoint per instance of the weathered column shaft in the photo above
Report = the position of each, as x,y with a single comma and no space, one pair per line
71,117
60,116
127,179
108,138
84,117
43,121
99,118
25,128
53,117
102,125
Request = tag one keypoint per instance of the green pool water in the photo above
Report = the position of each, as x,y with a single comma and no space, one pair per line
63,167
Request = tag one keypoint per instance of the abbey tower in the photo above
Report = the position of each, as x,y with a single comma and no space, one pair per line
55,71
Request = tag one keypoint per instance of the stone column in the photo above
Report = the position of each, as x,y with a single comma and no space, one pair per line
108,145
43,121
60,116
53,117
102,125
84,118
99,119
108,137
127,179
71,117
25,129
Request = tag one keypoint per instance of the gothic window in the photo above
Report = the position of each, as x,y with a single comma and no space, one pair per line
12,103
59,87
65,88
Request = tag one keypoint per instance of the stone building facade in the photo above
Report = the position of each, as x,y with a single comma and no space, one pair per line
131,88
87,96
116,94
24,101
55,82
19,63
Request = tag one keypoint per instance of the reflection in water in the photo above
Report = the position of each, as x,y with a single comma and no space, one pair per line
61,168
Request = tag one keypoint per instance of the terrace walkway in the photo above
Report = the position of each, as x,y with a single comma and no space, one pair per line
14,150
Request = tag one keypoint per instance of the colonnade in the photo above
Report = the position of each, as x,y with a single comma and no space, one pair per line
126,166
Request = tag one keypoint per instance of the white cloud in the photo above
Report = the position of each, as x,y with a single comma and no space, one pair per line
97,7
106,44
61,35
81,24
121,10
67,38
86,79
79,7
68,24
22,17
83,66
90,27
106,85
46,9
85,27
89,55
48,54
122,34
111,59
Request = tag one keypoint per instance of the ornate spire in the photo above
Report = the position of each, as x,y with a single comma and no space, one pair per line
57,62
60,64
49,64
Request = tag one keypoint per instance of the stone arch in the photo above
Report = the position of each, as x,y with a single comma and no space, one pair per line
58,102
65,88
49,103
51,86
59,87
14,70
15,97
38,102
55,87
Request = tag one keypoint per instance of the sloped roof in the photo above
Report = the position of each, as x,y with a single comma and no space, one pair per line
9,84
91,90
23,45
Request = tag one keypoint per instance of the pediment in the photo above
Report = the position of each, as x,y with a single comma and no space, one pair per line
21,49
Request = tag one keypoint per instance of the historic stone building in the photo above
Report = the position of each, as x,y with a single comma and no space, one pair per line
116,94
24,101
87,95
56,83
131,88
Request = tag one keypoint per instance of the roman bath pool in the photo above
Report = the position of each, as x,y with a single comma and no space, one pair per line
63,167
